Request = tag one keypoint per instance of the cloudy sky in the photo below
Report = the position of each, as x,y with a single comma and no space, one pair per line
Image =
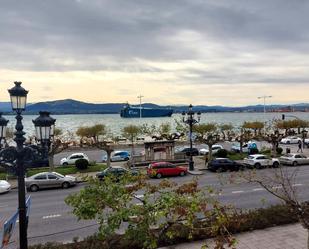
212,52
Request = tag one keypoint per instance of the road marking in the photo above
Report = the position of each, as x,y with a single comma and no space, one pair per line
4,206
277,187
297,184
258,189
51,216
238,192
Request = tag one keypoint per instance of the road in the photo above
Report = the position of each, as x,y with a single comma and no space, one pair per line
51,220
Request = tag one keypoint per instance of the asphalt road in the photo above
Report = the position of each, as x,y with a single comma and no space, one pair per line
51,220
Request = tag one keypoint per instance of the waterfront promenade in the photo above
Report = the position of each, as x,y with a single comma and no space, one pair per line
282,237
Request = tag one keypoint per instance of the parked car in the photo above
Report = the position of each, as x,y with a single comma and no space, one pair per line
306,143
224,164
118,156
261,161
73,158
245,147
214,149
115,171
290,140
4,186
49,180
187,150
160,169
294,159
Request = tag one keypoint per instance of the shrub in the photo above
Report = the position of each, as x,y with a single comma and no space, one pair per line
93,163
221,153
279,150
253,151
81,164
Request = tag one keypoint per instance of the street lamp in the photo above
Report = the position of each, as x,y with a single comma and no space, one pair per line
16,158
3,124
189,118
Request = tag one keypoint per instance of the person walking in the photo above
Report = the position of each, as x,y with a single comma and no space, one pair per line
300,146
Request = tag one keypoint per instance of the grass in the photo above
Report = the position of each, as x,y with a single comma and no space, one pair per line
64,170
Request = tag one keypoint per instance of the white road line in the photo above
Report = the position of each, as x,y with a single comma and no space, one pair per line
297,184
277,187
258,189
51,216
4,206
238,192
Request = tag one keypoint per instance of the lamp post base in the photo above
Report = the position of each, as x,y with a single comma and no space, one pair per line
191,165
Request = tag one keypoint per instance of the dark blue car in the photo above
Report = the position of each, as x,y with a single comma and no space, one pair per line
224,164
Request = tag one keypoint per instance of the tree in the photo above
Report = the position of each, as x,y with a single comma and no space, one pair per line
207,133
58,144
165,210
131,132
256,126
91,132
226,130
281,182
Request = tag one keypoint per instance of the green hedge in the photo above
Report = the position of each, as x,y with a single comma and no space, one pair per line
243,221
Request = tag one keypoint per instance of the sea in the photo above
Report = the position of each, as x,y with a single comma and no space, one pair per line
114,123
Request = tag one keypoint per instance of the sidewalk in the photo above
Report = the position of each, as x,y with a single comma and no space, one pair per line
281,237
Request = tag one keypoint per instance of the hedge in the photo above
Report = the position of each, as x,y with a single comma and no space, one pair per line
243,221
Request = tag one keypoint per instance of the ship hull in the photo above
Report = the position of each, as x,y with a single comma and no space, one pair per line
146,113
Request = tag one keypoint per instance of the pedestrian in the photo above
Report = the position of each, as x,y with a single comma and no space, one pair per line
300,147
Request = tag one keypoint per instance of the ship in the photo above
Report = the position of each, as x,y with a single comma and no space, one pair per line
143,112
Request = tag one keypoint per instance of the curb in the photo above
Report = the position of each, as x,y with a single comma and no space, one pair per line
196,172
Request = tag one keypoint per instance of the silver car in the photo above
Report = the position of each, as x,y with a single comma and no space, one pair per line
49,180
294,159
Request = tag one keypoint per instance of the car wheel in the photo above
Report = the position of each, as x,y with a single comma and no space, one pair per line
219,170
258,166
275,164
65,185
159,175
126,159
295,163
34,188
182,173
65,164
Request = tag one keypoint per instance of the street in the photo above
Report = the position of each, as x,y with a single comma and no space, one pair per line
51,220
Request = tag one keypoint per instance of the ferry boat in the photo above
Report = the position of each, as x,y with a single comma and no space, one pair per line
143,112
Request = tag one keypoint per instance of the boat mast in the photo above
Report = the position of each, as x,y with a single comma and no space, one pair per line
140,105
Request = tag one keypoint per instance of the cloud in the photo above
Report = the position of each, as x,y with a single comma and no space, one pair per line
184,42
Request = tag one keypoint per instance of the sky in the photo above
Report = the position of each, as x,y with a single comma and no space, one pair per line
210,52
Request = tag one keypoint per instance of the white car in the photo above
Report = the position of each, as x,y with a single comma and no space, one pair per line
214,149
4,186
290,140
261,161
118,156
294,159
73,158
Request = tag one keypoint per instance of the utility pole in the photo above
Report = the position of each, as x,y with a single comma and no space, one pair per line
140,105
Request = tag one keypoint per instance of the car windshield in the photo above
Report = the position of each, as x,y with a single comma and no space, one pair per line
250,157
57,174
289,155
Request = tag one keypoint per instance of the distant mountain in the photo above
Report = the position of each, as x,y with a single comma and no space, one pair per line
5,106
70,106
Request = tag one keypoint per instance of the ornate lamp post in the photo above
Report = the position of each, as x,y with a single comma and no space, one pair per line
17,158
3,124
189,118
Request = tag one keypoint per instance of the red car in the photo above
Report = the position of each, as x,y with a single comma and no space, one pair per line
166,169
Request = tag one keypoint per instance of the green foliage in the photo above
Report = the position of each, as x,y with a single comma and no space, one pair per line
236,156
279,150
221,153
81,164
92,131
242,221
131,132
163,206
